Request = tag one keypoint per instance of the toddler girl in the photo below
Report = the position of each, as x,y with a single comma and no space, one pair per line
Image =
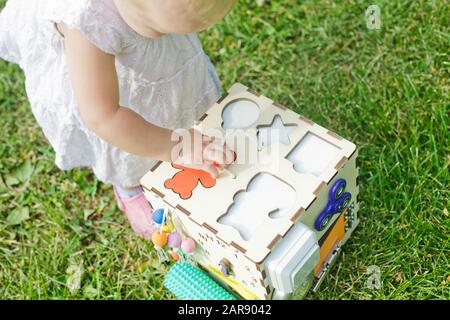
110,80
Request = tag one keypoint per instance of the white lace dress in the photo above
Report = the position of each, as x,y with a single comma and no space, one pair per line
169,81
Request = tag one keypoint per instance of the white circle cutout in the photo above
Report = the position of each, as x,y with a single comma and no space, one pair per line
240,114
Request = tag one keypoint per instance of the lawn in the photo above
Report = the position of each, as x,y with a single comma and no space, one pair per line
387,90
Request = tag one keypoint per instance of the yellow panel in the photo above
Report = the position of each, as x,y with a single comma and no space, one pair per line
335,235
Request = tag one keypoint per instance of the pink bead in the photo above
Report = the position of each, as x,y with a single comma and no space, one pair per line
188,245
174,240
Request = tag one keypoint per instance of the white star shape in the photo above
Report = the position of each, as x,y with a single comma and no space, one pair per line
276,129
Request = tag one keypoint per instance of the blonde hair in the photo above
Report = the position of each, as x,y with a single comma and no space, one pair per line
207,10
210,10
146,16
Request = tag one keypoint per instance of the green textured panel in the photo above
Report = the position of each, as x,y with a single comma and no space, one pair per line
188,282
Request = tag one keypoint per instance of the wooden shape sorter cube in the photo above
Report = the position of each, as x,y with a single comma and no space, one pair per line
278,221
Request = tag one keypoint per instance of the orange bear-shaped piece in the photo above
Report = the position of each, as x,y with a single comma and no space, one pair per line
186,180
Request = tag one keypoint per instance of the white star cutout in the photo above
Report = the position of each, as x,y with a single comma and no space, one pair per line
276,129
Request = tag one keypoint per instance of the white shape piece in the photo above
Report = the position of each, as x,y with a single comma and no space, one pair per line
240,114
276,131
312,155
265,195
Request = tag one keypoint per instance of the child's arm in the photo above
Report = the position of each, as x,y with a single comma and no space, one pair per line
94,81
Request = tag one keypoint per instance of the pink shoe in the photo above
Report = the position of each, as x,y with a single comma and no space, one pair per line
139,214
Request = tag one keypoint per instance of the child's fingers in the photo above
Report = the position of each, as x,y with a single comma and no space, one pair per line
218,144
206,139
211,169
220,154
215,156
230,156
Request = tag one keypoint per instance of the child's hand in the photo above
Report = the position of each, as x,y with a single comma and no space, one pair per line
203,152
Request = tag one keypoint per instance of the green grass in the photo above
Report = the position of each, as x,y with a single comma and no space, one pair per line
386,90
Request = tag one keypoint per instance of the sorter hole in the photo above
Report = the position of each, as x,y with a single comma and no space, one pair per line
275,132
266,195
312,154
240,114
